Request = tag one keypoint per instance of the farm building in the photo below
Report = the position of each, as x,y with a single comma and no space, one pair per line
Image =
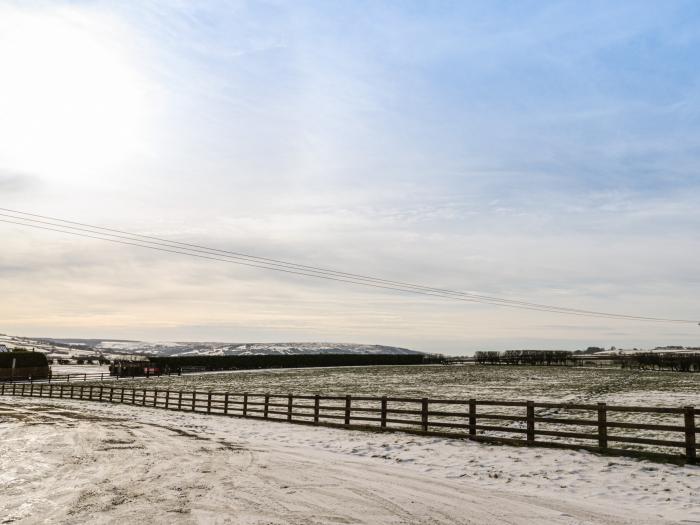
23,365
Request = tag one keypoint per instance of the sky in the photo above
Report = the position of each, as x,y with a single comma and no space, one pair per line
539,151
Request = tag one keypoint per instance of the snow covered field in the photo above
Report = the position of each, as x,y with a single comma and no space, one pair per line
543,383
78,462
506,383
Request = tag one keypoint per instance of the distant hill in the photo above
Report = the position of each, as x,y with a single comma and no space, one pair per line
194,348
101,347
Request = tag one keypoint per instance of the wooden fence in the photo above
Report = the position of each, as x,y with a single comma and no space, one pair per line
92,376
664,433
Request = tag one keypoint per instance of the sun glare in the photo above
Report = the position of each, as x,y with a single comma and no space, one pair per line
71,100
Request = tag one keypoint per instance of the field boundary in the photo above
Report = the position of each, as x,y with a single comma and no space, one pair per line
477,420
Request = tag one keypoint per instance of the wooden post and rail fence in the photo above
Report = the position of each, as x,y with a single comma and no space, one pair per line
672,436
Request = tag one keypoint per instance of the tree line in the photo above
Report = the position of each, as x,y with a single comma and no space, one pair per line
673,361
524,357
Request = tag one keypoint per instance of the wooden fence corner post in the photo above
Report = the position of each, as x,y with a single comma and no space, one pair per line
472,417
530,422
194,400
266,406
167,398
602,426
290,401
348,405
690,445
245,404
209,402
317,408
179,400
226,404
424,414
382,416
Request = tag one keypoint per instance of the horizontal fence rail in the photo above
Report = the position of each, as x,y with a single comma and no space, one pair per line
96,376
664,432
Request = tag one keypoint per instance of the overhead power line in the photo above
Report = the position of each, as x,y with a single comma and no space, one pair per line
54,224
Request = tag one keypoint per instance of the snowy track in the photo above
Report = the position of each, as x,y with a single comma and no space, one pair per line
77,462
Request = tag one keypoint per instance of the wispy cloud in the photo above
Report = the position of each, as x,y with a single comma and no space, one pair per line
12,182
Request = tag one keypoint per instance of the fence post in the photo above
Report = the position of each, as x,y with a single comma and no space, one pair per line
530,421
424,414
31,389
167,398
348,401
245,404
179,400
143,398
226,404
82,391
266,407
111,394
133,396
289,407
472,417
72,390
155,397
194,400
602,426
690,452
209,402
121,396
317,408
382,422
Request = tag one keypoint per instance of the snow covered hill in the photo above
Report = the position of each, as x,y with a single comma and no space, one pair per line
178,349
73,348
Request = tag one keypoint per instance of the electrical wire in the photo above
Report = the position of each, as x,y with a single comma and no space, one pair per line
203,252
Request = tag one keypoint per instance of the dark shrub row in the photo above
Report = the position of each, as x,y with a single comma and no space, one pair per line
229,362
165,365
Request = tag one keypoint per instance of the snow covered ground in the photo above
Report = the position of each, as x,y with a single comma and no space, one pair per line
77,462
79,369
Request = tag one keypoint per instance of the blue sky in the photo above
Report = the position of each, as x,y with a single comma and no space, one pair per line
545,151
